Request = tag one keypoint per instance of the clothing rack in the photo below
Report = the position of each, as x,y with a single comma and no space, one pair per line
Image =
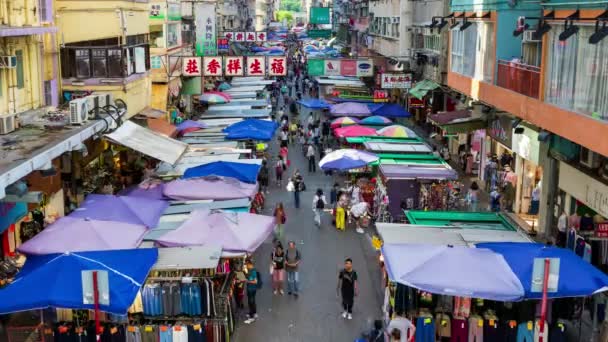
187,319
177,278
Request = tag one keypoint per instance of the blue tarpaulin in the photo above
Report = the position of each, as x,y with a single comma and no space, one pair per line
391,110
55,280
247,173
251,129
576,276
314,103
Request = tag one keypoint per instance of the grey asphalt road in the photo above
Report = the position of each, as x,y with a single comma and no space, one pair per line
316,314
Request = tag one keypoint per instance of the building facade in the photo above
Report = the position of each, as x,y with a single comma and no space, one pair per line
111,56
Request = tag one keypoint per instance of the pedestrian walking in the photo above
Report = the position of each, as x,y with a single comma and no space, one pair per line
253,282
310,154
263,176
279,168
278,268
292,261
473,196
298,186
284,136
341,211
280,219
284,153
348,288
403,326
318,204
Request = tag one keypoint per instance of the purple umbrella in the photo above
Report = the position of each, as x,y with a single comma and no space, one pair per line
145,190
189,124
127,209
234,232
346,159
350,108
70,234
209,188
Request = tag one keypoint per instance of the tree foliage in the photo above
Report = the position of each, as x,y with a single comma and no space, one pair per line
291,5
287,15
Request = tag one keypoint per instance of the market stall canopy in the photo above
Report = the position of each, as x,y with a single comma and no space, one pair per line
391,140
188,126
213,98
243,95
148,142
162,127
314,103
460,121
576,277
354,131
343,121
346,159
247,173
244,89
384,147
146,189
235,232
349,108
167,171
55,280
259,113
188,258
377,120
251,129
397,131
452,271
211,187
400,233
393,171
461,219
422,88
392,110
73,234
126,209
244,102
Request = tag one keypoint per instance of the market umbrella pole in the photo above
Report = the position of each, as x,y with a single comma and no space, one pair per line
96,305
543,310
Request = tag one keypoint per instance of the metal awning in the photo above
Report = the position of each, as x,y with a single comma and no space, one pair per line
181,258
239,89
439,235
381,147
242,95
148,142
242,102
422,88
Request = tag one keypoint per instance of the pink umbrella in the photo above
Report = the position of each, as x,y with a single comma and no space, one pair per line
354,131
222,94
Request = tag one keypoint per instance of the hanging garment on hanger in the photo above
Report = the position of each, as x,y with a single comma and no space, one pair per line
196,333
509,330
537,333
180,333
443,325
525,332
149,333
476,329
133,334
492,330
425,329
462,307
460,330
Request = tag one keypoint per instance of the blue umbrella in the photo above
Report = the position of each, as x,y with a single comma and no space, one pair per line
347,159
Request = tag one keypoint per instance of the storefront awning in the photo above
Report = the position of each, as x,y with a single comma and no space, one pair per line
422,88
460,121
195,257
148,142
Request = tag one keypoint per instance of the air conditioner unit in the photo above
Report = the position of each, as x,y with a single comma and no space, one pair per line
395,20
589,158
8,62
105,99
79,111
530,36
7,124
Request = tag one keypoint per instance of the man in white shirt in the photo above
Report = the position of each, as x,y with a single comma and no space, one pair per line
310,154
405,326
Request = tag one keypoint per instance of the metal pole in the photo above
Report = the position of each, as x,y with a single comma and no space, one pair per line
543,311
96,305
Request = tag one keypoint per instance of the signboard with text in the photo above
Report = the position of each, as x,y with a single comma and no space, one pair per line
277,66
319,15
332,67
206,44
344,67
223,45
395,81
191,66
212,66
250,37
602,230
319,34
316,67
234,66
256,66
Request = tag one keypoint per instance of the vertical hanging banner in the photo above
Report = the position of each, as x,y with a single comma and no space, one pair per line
348,67
261,36
332,67
234,66
250,37
365,68
277,66
256,66
204,14
316,67
191,66
212,66
239,36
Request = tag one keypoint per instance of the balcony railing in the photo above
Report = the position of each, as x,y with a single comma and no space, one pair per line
518,77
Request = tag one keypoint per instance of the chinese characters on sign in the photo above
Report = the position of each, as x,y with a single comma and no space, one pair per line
191,66
234,66
223,45
256,66
602,230
277,66
212,66
206,44
250,37
400,81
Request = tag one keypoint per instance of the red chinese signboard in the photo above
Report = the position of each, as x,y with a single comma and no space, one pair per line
256,66
191,66
602,230
348,67
212,66
261,36
229,35
234,66
239,36
250,37
277,66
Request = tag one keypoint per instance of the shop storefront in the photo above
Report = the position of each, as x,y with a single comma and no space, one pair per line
529,173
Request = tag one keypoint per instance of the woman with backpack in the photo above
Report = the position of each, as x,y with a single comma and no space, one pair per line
318,204
280,219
